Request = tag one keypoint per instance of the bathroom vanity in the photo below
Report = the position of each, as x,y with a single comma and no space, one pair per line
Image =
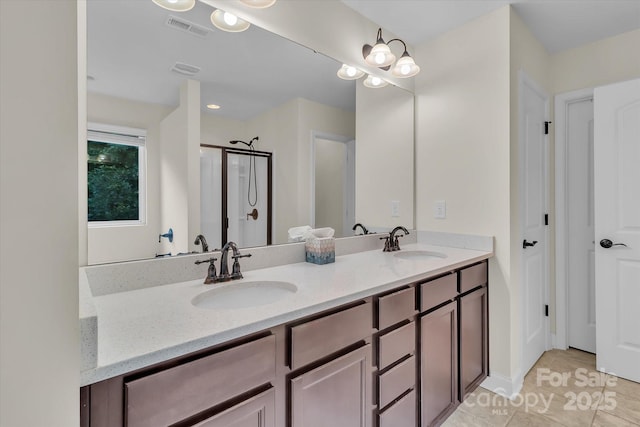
375,339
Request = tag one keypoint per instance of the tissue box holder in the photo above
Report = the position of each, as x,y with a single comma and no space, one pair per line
320,250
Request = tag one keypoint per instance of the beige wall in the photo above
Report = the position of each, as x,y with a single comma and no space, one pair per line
314,117
180,171
109,244
463,153
603,62
330,172
384,156
39,335
286,131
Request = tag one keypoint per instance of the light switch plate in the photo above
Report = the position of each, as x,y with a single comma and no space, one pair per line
395,208
440,209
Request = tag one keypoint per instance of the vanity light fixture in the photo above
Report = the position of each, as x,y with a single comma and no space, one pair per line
226,21
380,56
374,82
258,4
176,5
348,72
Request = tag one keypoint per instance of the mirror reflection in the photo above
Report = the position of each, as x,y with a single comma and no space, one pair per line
152,74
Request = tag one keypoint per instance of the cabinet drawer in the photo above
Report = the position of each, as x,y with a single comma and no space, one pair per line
473,277
172,395
401,414
396,381
320,337
258,411
396,307
437,291
396,344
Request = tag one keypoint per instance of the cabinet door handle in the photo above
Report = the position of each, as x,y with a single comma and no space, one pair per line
526,244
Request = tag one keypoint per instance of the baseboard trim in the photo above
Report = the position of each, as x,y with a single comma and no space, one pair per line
504,386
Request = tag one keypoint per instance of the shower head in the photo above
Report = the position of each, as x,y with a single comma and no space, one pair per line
248,144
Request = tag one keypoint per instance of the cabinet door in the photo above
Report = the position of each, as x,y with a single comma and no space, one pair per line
336,394
258,411
438,364
473,341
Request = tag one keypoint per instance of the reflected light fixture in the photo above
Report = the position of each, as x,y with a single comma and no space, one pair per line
258,4
380,56
374,82
226,21
213,106
176,5
348,72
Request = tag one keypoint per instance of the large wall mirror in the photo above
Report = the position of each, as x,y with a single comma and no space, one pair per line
152,74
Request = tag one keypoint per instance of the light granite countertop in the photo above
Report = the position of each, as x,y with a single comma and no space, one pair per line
142,327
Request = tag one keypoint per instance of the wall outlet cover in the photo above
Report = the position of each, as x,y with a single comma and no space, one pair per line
395,208
440,209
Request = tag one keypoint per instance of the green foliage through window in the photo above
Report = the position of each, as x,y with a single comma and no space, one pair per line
113,177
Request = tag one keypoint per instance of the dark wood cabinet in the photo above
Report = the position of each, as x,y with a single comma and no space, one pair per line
336,394
258,411
474,353
403,358
438,364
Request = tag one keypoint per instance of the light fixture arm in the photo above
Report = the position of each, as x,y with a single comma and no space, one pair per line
405,53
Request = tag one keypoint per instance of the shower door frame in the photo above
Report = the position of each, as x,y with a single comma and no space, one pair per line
224,182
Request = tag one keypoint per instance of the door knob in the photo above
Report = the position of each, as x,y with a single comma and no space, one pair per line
526,244
606,243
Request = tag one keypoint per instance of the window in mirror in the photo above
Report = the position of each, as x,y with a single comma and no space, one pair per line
116,178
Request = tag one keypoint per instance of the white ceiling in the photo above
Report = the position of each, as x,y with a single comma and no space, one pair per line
557,24
131,50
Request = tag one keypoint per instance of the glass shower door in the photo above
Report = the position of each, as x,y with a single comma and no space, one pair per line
247,195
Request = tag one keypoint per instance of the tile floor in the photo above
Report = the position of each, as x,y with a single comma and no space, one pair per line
562,389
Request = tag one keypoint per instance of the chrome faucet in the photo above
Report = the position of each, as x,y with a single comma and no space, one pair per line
201,240
391,243
224,263
364,229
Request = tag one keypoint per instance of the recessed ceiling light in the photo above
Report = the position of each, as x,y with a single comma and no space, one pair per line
228,21
176,5
213,106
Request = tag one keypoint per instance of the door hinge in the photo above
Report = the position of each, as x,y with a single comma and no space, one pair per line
546,127
546,219
226,222
546,310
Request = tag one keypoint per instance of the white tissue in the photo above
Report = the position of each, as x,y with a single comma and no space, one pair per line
319,233
296,234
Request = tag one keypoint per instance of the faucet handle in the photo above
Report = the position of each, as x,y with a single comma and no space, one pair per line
396,244
235,272
387,244
212,276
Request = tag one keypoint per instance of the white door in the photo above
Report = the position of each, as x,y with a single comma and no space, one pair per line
580,244
617,228
533,108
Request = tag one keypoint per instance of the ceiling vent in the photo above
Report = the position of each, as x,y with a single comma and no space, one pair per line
187,26
185,69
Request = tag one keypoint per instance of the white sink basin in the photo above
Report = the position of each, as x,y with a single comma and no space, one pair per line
418,255
244,294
